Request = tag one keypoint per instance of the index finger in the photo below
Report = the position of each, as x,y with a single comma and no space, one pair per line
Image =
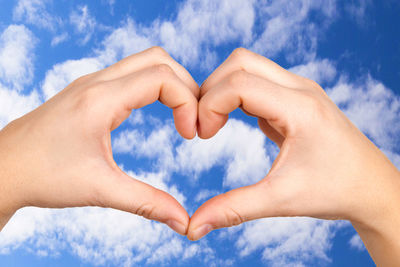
243,59
150,57
146,86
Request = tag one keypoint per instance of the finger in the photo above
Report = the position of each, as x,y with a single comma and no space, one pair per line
146,86
257,96
267,129
120,191
145,59
270,132
243,59
233,208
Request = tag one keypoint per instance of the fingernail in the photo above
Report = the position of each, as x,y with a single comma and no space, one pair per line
176,226
195,130
198,130
201,231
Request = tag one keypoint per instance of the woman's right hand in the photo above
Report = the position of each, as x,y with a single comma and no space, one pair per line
59,155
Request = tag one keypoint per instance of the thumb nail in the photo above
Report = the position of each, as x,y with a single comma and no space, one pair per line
176,226
201,231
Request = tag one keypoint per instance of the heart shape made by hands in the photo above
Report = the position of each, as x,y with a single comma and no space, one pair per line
73,164
296,114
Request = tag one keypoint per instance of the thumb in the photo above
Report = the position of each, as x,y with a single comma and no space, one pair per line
234,207
128,194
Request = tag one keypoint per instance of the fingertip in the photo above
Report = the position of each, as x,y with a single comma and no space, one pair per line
209,125
200,232
195,89
178,226
131,195
185,118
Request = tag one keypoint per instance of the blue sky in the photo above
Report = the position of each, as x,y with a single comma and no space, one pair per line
352,48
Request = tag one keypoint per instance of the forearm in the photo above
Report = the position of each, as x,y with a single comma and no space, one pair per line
6,208
8,194
380,232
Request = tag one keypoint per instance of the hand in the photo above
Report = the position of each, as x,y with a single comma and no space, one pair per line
326,167
59,155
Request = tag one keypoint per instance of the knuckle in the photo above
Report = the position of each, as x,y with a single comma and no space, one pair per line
233,218
240,54
238,79
82,80
145,210
312,100
314,110
86,99
163,69
158,51
314,85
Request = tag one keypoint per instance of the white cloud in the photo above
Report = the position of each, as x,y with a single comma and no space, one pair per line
160,180
124,238
99,235
368,103
157,145
238,147
34,12
16,70
124,41
321,71
203,24
64,73
136,117
357,10
205,194
120,43
59,39
14,105
16,56
289,29
374,108
356,243
83,22
287,241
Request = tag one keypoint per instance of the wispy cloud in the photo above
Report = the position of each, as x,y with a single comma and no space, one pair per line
356,243
322,71
125,239
59,39
16,56
373,107
35,12
358,11
158,145
238,147
287,241
193,36
83,22
17,46
205,194
287,28
64,73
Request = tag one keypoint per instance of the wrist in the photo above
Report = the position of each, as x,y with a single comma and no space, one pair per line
379,225
9,196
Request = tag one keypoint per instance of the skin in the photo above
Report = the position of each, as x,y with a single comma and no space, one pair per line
326,167
59,155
